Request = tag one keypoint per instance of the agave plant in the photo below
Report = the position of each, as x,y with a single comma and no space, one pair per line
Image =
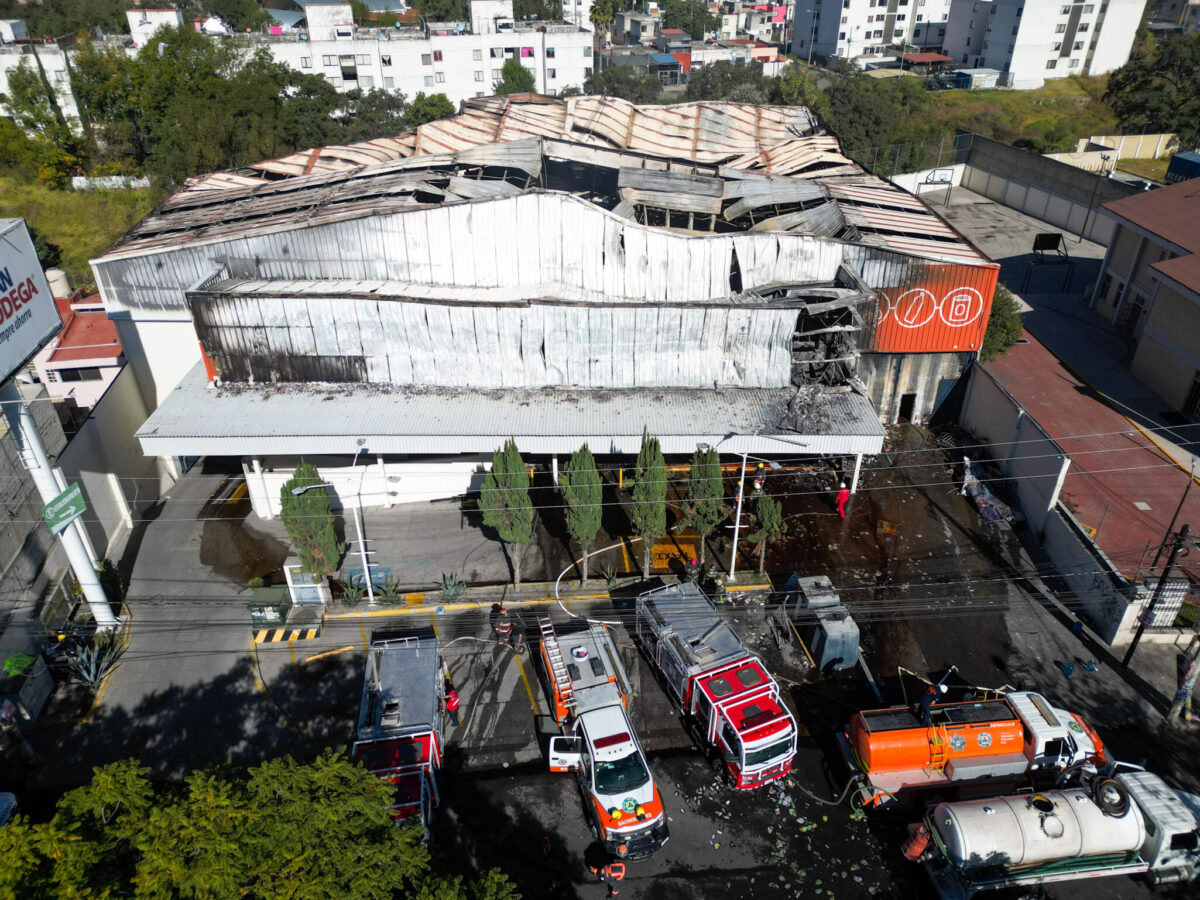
390,592
610,577
352,593
453,587
95,660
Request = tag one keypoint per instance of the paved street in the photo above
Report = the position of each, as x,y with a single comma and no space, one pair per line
928,585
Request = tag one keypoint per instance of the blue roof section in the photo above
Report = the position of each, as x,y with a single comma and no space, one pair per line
664,59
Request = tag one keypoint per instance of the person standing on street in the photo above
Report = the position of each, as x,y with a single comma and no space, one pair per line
452,706
612,874
501,624
843,497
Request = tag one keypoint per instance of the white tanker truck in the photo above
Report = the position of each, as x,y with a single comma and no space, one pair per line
1130,824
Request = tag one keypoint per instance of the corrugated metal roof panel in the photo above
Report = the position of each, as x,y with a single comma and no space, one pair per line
196,419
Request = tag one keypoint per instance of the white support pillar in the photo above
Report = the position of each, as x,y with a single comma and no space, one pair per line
34,457
383,482
78,525
554,471
262,484
114,484
857,469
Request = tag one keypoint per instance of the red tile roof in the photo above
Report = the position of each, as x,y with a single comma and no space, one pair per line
672,31
1172,214
1114,465
922,58
87,334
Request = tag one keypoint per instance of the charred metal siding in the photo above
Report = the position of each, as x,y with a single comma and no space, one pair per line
891,376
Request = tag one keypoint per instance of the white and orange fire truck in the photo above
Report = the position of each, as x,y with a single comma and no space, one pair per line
400,722
981,746
588,691
731,704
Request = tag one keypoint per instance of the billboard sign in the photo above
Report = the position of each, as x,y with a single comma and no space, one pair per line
28,316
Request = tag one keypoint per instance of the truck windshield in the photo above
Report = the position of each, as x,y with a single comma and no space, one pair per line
616,775
755,758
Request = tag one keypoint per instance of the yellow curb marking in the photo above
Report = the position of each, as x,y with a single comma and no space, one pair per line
361,630
258,682
292,650
528,690
317,656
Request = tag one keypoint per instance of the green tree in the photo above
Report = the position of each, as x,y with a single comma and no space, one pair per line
768,526
62,18
59,148
371,113
649,507
281,829
861,113
705,507
504,502
308,519
241,15
736,82
797,87
692,16
443,10
49,253
625,83
602,15
1003,327
515,78
428,108
583,491
1160,90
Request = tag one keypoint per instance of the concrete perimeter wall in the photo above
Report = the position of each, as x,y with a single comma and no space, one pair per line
1046,189
107,461
1033,464
1136,146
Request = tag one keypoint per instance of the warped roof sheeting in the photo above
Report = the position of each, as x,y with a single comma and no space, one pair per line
778,139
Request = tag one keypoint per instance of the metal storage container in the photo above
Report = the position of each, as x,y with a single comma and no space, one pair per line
833,639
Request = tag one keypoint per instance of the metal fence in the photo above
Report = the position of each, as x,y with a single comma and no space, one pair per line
900,159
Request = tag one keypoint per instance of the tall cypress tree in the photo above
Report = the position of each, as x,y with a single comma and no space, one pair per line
769,526
705,505
308,519
581,488
649,511
505,502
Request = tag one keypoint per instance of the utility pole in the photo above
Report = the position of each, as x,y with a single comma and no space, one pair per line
1178,510
1147,614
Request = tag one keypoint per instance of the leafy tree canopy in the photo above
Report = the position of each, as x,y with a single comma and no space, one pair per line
515,78
58,18
1159,90
281,829
443,10
583,491
428,108
308,518
693,16
1004,325
736,82
504,499
623,82
49,253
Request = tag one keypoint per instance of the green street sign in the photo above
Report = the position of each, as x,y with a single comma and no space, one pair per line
64,509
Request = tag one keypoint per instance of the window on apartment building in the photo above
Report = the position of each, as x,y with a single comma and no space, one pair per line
1089,8
1014,29
972,25
527,52
440,77
1060,28
841,35
345,32
389,83
1052,64
1010,49
366,82
845,4
1073,64
941,32
1083,26
364,60
968,42
479,75
985,45
497,53
552,73
974,7
587,51
426,59
306,62
328,60
549,53
1057,46
79,374
879,33
845,19
920,18
1019,9
587,71
495,74
437,55
1078,45
901,17
479,93
1066,10
477,55
428,81
334,80
385,59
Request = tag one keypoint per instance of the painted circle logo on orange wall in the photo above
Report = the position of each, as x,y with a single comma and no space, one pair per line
917,307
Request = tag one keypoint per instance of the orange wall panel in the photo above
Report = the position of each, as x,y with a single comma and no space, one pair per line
944,309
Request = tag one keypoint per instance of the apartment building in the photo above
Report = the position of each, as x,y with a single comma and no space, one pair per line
1150,289
1034,42
458,59
1175,15
867,30
17,48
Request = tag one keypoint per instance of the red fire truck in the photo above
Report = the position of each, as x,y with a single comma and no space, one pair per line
731,704
399,736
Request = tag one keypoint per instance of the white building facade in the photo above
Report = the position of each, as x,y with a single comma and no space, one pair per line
53,62
457,59
867,29
1036,42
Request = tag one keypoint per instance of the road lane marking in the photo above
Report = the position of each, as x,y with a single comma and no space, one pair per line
525,681
317,656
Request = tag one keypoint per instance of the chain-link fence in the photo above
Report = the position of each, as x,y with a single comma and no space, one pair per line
900,159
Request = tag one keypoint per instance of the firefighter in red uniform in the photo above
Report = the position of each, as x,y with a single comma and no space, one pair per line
452,706
613,873
843,498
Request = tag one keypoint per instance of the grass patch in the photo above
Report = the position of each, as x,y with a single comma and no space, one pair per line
1150,169
1052,117
82,223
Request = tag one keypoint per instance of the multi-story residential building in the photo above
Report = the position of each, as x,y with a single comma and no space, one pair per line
1035,42
458,59
79,364
46,56
867,29
1151,289
1175,15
